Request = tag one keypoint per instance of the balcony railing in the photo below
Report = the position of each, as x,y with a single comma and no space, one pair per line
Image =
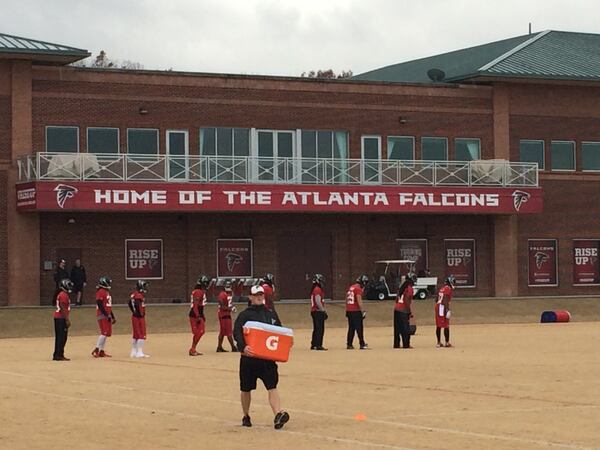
218,169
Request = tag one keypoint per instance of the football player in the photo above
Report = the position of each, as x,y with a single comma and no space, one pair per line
137,305
62,303
268,286
196,314
226,308
355,312
402,312
104,315
318,312
442,311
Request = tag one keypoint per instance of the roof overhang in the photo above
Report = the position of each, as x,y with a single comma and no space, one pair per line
43,58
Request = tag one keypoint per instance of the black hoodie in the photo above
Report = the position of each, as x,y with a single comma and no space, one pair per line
254,313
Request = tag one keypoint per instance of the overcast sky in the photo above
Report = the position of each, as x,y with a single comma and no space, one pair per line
285,37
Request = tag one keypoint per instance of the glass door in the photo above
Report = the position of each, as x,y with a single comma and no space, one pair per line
177,154
272,150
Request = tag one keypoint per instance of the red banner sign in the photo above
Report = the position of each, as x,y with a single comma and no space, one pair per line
543,262
586,266
234,258
125,196
143,259
414,250
460,261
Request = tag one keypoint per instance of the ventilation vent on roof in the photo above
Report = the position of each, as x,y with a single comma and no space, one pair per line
436,75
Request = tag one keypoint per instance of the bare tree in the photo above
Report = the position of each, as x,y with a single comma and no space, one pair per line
102,61
328,74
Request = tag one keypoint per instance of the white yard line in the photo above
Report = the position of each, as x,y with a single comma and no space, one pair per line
394,423
315,436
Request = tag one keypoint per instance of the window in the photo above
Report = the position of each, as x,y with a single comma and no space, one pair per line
62,139
225,141
324,145
563,155
272,145
142,141
467,149
401,148
371,155
532,151
434,149
590,155
102,140
233,145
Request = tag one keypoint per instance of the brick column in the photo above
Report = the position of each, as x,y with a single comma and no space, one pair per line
501,122
506,240
23,229
505,227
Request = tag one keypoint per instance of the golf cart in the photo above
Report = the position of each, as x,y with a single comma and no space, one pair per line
388,277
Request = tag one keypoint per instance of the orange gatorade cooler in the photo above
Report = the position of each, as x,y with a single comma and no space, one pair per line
269,341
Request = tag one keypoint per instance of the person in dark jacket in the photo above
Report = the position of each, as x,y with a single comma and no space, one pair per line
61,274
252,368
79,280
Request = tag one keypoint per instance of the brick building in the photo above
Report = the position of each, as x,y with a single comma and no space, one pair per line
486,167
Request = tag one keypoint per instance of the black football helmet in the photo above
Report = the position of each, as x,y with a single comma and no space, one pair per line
363,280
141,285
203,281
318,279
66,285
411,278
451,281
268,279
227,286
105,282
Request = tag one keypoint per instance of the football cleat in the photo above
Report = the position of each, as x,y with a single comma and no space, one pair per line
96,353
103,354
349,347
365,347
194,353
221,350
246,422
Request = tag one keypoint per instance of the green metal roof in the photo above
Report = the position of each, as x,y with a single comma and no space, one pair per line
553,55
40,51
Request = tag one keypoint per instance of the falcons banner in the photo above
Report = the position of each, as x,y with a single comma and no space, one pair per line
543,262
196,197
460,261
414,250
586,267
234,258
144,259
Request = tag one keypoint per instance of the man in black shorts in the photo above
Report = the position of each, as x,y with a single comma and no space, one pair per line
251,368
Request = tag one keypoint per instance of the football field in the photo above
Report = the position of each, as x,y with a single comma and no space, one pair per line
503,386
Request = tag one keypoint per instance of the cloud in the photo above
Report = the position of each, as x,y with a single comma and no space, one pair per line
285,37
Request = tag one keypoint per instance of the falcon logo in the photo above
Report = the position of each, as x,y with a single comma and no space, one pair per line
520,197
540,259
64,192
233,259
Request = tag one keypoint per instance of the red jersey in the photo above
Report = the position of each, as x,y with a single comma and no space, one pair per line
197,303
62,302
316,292
103,295
269,294
404,301
225,300
446,291
137,299
351,301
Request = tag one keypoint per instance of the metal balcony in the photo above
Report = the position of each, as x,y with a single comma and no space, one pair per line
242,170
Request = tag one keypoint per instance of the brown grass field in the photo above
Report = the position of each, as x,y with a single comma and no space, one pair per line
505,384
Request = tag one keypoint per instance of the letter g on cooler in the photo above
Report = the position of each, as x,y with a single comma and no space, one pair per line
272,342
